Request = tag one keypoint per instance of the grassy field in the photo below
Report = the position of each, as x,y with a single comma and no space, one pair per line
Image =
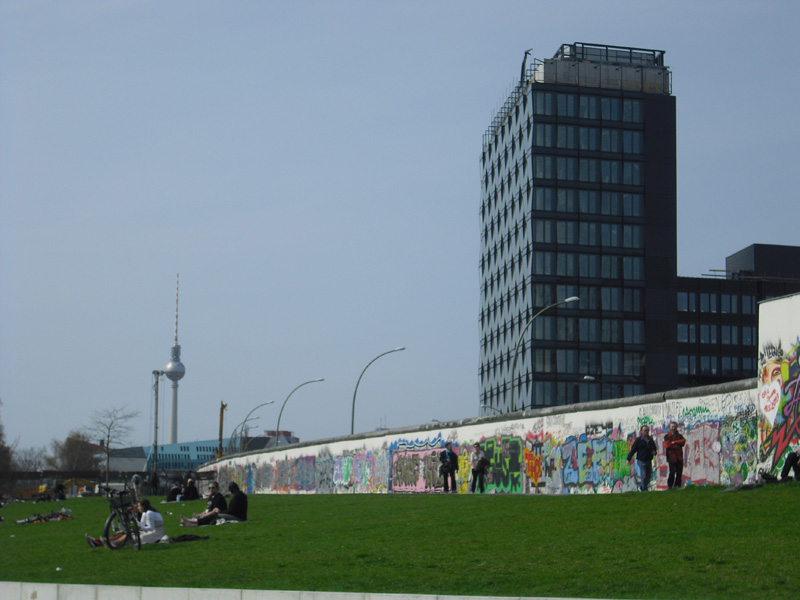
691,543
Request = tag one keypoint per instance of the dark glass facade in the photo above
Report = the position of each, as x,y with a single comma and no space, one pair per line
578,198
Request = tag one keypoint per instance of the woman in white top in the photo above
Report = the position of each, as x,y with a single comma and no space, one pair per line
151,526
151,523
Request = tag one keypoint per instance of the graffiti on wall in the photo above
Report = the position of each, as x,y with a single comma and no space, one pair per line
727,442
779,401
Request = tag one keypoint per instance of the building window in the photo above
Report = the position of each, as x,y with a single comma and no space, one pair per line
632,111
610,329
543,167
634,332
633,268
632,236
632,205
730,365
588,170
632,142
544,199
610,265
610,108
632,300
611,298
632,173
567,105
543,133
566,137
708,365
633,364
543,103
588,202
609,140
748,305
588,138
708,334
587,234
589,330
588,107
611,363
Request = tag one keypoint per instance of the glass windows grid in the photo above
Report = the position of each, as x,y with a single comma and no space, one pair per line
595,139
588,202
585,106
588,170
609,235
630,268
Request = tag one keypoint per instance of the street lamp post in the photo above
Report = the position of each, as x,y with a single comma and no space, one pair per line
246,419
278,426
353,414
519,341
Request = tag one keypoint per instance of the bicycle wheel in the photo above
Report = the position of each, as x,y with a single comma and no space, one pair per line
116,531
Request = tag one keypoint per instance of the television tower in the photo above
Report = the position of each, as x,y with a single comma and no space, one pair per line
175,371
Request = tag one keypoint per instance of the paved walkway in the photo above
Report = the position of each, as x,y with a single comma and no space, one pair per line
15,590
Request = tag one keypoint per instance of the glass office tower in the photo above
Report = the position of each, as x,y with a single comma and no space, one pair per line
578,198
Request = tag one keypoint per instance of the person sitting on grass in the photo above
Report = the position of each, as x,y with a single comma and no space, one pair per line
216,504
151,527
236,511
190,491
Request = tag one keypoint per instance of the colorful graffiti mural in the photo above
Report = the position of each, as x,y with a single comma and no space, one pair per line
779,401
729,441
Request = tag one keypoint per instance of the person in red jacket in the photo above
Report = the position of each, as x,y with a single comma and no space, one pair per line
674,443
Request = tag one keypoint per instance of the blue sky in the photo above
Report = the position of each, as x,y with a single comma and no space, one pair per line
311,171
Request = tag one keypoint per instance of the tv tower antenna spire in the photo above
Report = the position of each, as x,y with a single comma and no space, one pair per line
175,371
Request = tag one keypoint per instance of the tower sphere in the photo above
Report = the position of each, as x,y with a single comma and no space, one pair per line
175,369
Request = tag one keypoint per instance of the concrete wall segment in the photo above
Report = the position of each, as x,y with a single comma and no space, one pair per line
565,450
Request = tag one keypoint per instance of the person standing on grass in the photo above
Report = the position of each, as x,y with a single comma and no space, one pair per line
645,450
791,463
673,444
477,460
449,460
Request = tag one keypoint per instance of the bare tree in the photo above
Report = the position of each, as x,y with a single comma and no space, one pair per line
112,426
75,453
30,459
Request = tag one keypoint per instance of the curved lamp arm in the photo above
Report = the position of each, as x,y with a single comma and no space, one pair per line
278,426
353,415
519,341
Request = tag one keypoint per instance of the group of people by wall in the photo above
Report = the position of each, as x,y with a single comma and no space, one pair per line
449,467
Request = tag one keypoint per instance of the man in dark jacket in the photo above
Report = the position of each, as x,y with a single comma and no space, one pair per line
449,468
645,450
674,443
216,504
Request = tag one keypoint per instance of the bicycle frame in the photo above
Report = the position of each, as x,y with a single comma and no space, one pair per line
121,526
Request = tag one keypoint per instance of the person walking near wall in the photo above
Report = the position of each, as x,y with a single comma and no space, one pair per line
449,468
673,444
478,463
645,450
792,462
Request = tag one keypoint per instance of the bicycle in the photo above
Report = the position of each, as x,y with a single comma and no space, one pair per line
121,525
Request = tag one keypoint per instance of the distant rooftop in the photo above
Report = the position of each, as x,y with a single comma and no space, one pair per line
611,54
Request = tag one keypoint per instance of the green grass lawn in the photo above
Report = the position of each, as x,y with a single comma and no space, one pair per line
691,543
